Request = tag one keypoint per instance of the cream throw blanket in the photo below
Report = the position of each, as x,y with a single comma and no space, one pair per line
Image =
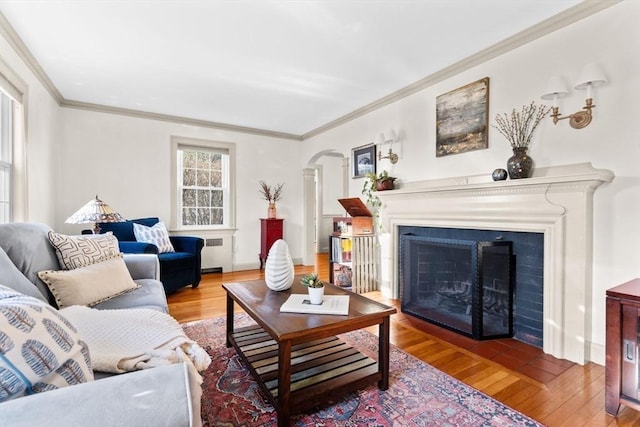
139,338
131,339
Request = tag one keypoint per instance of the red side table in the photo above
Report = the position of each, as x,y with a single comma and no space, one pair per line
270,231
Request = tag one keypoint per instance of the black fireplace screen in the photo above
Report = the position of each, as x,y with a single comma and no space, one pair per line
463,285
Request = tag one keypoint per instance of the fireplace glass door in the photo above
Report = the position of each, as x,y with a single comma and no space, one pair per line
466,286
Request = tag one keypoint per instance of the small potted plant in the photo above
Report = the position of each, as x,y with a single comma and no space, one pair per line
384,181
315,286
375,183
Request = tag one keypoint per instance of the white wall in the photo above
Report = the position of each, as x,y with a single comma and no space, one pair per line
612,141
126,161
332,185
42,132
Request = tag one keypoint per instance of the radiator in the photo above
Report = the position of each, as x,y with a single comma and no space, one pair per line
209,262
217,253
364,265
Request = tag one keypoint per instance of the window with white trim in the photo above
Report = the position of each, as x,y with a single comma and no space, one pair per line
13,170
6,162
203,197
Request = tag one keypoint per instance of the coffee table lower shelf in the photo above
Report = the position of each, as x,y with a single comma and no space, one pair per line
321,370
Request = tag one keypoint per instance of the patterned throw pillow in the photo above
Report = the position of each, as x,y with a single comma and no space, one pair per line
39,349
80,251
89,285
156,235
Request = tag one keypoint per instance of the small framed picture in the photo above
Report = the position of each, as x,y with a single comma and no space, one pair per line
363,159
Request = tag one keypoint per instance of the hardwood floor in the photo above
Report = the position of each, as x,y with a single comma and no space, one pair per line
573,397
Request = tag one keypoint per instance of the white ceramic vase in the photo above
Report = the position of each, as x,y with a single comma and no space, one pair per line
316,295
278,271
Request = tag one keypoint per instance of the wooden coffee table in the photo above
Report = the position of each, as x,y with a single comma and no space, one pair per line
296,358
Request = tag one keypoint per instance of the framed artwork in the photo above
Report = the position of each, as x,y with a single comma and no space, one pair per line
364,160
462,118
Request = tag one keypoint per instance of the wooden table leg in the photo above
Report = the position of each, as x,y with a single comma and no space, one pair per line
613,368
383,353
284,383
229,319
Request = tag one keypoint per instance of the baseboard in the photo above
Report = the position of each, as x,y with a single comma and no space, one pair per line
256,265
211,270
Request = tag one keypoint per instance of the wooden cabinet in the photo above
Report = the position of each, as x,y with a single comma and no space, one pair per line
270,231
622,344
352,262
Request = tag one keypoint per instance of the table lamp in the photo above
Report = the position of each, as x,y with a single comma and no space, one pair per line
95,211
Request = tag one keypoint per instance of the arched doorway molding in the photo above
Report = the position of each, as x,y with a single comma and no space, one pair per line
313,183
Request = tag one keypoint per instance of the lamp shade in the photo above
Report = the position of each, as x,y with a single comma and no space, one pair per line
555,88
590,74
391,136
95,211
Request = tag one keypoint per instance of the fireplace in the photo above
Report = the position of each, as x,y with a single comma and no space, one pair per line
462,285
556,203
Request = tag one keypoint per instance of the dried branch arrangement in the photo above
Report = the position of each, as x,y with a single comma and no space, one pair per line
519,126
269,194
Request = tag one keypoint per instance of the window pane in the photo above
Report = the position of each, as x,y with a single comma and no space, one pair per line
217,216
188,159
203,160
216,198
189,177
6,167
189,216
204,217
216,161
204,198
203,178
5,194
189,198
216,179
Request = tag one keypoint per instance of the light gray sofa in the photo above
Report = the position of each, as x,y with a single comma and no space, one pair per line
152,397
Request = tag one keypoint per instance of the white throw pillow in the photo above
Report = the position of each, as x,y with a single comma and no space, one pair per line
89,285
41,350
156,235
80,251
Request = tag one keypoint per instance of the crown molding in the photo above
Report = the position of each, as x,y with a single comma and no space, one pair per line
7,31
99,108
561,20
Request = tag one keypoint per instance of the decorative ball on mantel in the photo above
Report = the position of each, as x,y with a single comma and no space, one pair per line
279,271
499,175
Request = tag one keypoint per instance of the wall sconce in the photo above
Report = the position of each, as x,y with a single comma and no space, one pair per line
590,77
389,138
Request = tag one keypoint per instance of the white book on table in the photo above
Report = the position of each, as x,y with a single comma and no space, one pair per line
331,304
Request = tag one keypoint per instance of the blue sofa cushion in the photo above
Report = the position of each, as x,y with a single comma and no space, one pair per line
124,230
174,261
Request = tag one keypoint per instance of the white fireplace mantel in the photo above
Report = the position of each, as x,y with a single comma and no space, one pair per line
556,201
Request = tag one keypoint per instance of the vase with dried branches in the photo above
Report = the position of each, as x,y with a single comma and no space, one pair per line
518,129
271,195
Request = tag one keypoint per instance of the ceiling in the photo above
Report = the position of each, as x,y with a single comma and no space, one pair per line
287,66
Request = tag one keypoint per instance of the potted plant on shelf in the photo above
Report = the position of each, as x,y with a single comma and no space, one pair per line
315,286
373,183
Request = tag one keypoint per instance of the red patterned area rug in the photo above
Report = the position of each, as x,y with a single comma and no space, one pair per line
418,394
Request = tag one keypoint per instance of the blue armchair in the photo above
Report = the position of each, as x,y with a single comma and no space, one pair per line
177,269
